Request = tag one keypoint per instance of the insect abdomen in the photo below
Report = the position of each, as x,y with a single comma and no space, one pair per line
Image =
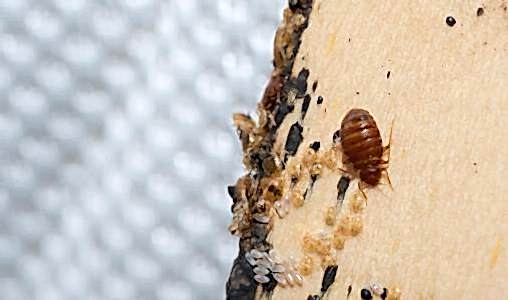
361,140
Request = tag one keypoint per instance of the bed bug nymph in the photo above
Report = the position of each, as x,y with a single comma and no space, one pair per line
363,147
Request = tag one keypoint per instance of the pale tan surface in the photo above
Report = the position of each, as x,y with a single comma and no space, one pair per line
443,232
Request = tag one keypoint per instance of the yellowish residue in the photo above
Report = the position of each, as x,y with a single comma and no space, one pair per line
333,104
424,296
330,43
433,191
395,246
496,251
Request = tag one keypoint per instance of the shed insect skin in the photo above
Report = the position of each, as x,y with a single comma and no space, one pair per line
363,147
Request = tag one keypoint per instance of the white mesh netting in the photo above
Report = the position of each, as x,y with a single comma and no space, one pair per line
116,143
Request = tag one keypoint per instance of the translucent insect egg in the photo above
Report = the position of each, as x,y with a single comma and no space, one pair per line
261,278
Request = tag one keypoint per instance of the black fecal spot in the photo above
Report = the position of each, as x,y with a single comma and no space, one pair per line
450,21
315,146
388,75
301,82
328,278
349,289
336,137
342,186
480,11
313,297
243,286
314,86
384,295
313,179
294,138
319,99
365,294
282,112
358,93
305,105
269,286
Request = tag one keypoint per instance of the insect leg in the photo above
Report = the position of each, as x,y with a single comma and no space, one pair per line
361,188
386,149
388,178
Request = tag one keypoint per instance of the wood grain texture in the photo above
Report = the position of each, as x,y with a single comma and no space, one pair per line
443,232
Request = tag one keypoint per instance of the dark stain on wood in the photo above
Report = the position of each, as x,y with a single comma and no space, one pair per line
315,146
299,83
384,295
480,11
328,278
282,111
294,138
314,86
450,21
305,105
342,186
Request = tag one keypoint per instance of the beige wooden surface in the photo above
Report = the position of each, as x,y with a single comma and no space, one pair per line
443,232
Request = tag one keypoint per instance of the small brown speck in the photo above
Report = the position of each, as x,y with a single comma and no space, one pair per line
496,251
314,86
479,11
358,93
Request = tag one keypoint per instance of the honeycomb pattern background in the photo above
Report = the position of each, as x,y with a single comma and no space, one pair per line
116,143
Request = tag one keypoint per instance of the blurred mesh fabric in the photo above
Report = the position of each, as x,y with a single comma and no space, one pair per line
116,143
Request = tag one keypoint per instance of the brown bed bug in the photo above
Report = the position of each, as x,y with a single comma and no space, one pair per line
363,147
